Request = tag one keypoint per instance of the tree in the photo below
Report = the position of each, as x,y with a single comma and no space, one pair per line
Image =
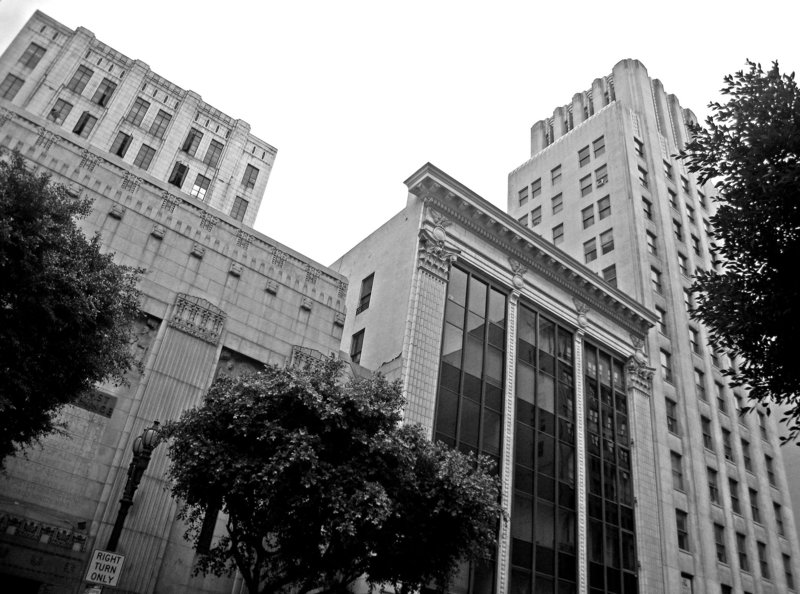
750,149
65,308
320,483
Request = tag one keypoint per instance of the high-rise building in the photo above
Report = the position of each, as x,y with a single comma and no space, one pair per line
144,123
604,185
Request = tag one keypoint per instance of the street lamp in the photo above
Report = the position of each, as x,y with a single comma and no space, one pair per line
143,447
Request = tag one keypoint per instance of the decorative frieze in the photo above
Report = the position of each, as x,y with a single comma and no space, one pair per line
130,182
341,289
45,139
88,160
243,239
312,274
57,536
198,317
169,202
278,257
208,221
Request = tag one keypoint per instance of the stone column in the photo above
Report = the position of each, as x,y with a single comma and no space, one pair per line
580,447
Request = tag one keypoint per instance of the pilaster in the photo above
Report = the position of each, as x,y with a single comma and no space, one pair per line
580,446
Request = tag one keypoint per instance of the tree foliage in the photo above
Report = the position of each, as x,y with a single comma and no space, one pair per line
750,149
65,308
320,483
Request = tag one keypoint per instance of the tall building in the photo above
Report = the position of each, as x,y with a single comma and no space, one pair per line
217,298
145,123
603,184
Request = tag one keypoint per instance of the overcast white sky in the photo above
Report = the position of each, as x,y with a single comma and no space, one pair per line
357,96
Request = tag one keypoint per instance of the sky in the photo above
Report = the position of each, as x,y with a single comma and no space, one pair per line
357,96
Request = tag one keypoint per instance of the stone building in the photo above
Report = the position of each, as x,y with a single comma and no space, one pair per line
603,184
218,297
509,347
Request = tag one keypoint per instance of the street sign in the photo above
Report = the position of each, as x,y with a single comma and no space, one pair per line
105,568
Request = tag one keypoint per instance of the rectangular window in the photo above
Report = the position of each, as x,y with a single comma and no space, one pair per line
10,87
536,188
30,58
647,207
652,246
599,146
239,208
121,144
356,345
610,275
763,560
583,156
536,216
590,250
705,427
178,174
762,423
555,174
558,203
250,176
366,293
682,523
668,170
588,216
586,185
678,229
702,198
192,142
687,302
523,196
80,79
683,264
213,153
700,385
673,199
60,111
144,157
722,404
779,518
746,456
160,123
754,509
741,549
655,280
85,124
638,148
677,471
736,505
672,417
662,321
138,111
685,184
643,178
604,207
607,241
713,485
523,220
601,176
787,571
726,445
104,92
694,340
558,234
690,214
200,186
719,542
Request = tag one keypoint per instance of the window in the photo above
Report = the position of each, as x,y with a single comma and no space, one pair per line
366,293
696,244
178,174
523,196
719,542
721,402
754,509
687,302
638,147
762,424
741,549
668,170
121,144
583,156
80,79
702,198
652,247
11,85
523,220
690,214
588,216
713,485
607,241
160,123
85,124
558,203
726,445
678,229
558,234
705,427
677,471
213,153
763,561
555,174
239,208
30,58
144,157
787,571
192,142
536,188
748,460
200,186
610,275
770,470
536,216
356,344
673,199
250,176
643,177
779,518
694,340
700,385
599,146
685,184
601,176
103,93
655,280
662,321
647,207
60,111
137,112
672,417
725,589
586,185
604,207
736,505
590,250
682,523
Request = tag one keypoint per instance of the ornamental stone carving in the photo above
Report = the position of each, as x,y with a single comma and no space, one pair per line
158,231
518,271
583,312
46,139
88,160
117,211
639,374
169,202
243,239
434,256
208,221
198,317
236,269
198,251
130,182
5,115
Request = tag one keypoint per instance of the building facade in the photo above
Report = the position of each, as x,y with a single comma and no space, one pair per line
144,122
508,347
603,184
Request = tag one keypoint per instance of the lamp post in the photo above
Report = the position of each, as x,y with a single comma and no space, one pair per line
143,447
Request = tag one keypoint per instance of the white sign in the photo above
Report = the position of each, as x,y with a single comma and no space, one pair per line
105,568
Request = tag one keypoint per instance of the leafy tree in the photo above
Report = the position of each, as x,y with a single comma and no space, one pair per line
750,149
65,308
320,483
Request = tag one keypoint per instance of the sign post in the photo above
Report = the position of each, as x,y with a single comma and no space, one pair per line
105,568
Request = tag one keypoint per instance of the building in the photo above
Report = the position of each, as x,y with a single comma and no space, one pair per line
147,124
218,297
603,184
508,346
